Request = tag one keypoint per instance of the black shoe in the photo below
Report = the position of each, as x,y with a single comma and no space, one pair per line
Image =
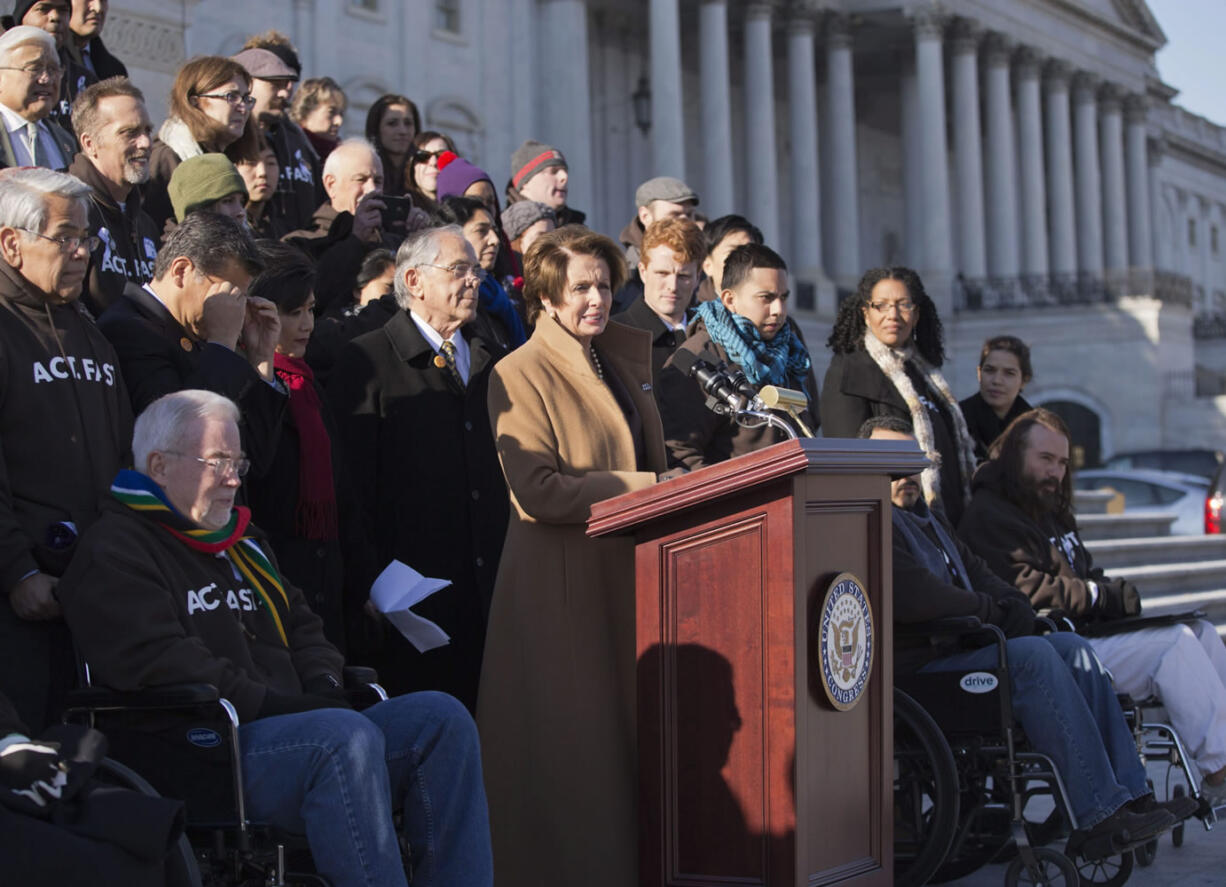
1180,807
1120,831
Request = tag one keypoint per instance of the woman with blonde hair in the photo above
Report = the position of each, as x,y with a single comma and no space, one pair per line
574,422
210,112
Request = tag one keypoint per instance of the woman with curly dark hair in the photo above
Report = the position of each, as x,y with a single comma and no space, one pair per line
887,357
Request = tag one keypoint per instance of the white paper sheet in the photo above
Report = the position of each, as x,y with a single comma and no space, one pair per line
397,589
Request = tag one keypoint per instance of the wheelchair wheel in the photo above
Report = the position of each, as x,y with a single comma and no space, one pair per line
925,793
1111,871
1177,831
181,867
1146,853
1053,869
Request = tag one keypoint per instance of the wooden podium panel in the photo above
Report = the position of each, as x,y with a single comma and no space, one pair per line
748,774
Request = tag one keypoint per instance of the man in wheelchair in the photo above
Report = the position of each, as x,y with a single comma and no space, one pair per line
173,584
1021,522
1061,694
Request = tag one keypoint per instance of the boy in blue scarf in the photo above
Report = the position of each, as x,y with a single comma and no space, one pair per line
748,329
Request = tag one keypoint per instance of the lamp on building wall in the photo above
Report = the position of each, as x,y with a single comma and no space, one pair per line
641,97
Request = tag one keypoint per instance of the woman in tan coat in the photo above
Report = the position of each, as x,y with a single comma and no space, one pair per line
575,422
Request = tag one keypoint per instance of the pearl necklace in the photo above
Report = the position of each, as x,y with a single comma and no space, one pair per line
597,365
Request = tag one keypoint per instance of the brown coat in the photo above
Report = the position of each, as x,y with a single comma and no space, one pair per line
556,706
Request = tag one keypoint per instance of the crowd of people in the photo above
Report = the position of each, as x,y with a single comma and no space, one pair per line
245,364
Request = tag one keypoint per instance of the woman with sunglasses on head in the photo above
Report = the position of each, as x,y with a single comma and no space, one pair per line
210,111
888,350
391,125
421,175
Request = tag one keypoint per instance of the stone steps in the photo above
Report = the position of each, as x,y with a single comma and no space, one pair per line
1092,501
1133,525
1117,554
1183,576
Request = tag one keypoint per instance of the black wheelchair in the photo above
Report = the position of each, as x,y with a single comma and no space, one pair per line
181,742
964,777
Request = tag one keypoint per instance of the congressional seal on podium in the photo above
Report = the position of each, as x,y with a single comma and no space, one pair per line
846,640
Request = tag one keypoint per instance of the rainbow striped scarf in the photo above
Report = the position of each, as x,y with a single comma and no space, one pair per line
141,494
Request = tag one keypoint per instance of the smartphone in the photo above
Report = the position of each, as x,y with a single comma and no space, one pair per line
395,211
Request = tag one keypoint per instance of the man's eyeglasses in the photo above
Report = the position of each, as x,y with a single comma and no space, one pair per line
37,71
68,244
222,465
427,156
233,97
461,270
906,306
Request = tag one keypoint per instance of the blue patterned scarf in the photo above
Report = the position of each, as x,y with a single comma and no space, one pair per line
783,361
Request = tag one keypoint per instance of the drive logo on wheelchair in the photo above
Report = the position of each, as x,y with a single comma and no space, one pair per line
846,641
978,682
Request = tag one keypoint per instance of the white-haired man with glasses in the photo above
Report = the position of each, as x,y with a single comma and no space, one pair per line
410,405
65,427
30,73
175,584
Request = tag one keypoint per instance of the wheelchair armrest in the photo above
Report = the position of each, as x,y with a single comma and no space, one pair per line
358,676
948,625
150,698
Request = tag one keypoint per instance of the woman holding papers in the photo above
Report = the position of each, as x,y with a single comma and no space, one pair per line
575,422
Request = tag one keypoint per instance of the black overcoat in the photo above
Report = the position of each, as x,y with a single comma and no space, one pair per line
422,458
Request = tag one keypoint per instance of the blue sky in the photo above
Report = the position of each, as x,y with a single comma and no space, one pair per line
1191,61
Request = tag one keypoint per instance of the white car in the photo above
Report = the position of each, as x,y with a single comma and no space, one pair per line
1149,490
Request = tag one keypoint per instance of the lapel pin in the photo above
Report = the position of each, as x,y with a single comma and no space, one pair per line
646,386
185,343
440,361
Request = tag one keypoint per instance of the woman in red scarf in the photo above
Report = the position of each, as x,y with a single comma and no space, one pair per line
296,501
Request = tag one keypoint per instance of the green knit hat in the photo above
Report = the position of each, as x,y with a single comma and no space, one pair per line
203,179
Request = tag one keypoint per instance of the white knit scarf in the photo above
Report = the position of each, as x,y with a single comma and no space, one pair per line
178,136
891,361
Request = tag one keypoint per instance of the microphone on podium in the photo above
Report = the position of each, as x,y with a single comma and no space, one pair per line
714,382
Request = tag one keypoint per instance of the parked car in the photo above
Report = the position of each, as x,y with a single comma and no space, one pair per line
1205,463
1189,496
1215,500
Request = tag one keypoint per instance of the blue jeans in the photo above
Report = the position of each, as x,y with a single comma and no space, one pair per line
336,775
1063,698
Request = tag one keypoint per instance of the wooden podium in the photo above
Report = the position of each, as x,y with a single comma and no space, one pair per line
748,773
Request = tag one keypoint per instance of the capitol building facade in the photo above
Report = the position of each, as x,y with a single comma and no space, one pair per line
1023,155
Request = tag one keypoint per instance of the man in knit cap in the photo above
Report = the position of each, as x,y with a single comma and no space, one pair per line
116,138
539,172
208,183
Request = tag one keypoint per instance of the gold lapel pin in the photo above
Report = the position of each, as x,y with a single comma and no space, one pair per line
440,361
185,343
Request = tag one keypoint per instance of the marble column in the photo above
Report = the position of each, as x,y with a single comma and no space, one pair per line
1140,237
934,158
1111,149
844,197
912,171
1062,231
806,257
1088,183
761,163
565,107
718,185
667,110
968,150
1033,186
1000,162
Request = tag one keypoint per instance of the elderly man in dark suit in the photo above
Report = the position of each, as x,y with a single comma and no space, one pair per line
410,404
194,326
30,73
